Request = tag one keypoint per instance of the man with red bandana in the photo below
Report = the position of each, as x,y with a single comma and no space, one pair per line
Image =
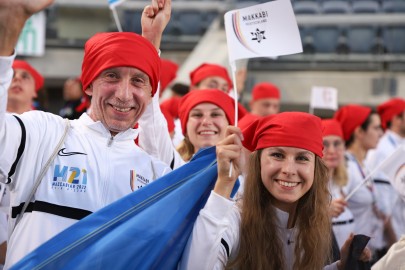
98,162
26,83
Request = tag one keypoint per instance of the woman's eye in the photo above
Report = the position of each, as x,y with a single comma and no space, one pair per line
276,155
302,158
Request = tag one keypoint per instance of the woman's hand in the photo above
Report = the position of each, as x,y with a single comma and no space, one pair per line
229,152
337,207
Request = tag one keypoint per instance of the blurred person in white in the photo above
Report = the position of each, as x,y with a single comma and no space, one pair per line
333,156
121,72
362,130
392,113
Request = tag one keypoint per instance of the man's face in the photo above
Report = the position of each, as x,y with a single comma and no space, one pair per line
214,82
265,106
22,88
119,97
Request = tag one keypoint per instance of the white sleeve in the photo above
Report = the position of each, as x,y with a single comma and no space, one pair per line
154,136
9,135
217,223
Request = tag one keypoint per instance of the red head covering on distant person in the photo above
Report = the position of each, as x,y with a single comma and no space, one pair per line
389,109
169,120
265,90
247,120
287,129
39,80
118,49
168,74
331,127
350,117
209,70
214,96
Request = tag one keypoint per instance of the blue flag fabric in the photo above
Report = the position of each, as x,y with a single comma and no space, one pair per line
147,229
114,3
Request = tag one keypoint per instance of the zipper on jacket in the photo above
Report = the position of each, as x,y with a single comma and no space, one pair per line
110,141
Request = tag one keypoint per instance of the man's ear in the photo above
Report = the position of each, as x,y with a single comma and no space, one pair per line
89,90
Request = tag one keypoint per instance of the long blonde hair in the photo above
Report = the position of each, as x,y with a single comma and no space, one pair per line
260,245
186,149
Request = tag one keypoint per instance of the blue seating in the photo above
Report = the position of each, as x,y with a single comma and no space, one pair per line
366,7
190,22
394,39
306,7
361,39
393,6
335,7
326,39
132,21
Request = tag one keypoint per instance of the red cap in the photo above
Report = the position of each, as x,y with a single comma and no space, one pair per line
331,127
168,74
214,96
265,90
247,120
171,106
118,49
350,117
389,109
39,80
290,129
169,120
209,70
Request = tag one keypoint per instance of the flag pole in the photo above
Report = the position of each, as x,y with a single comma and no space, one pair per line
235,92
116,19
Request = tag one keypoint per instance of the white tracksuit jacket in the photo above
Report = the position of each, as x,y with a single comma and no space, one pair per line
92,169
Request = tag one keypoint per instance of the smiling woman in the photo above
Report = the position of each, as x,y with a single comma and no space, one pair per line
204,116
282,221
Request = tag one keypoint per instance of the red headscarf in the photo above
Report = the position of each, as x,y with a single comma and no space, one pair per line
168,74
289,129
350,117
331,127
247,120
171,105
169,120
209,70
214,96
117,49
389,109
39,80
265,90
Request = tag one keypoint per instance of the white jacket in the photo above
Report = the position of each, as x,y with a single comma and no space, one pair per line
215,237
92,169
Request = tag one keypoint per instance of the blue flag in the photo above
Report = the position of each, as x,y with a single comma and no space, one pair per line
114,3
147,229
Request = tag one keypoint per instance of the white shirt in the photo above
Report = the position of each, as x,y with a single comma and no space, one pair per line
220,219
92,170
390,203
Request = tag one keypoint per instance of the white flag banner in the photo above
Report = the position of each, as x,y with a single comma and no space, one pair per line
264,30
324,98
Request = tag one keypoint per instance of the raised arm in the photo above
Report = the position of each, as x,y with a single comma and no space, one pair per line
13,15
154,19
215,235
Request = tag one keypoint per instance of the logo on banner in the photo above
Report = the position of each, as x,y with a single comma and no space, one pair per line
258,35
